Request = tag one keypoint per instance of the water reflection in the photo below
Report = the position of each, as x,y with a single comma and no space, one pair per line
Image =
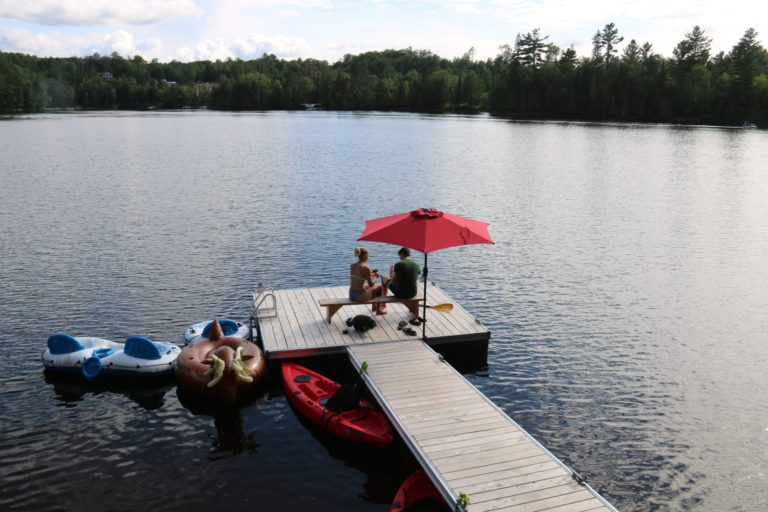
626,293
375,464
230,439
469,359
72,389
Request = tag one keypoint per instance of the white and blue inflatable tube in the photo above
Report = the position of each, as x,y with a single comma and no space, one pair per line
202,330
137,357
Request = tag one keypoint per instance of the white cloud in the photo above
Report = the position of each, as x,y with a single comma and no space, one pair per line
121,42
26,41
257,44
250,47
661,22
288,13
323,4
328,29
96,12
128,44
205,50
68,45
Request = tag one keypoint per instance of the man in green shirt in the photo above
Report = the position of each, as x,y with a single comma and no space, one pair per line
403,276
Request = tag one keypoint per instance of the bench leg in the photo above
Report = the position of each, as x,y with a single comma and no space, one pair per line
332,309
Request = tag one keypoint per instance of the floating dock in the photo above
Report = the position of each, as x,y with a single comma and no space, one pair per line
299,329
464,442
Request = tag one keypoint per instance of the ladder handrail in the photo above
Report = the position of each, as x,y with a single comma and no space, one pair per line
259,298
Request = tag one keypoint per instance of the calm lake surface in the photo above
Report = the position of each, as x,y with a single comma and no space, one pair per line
627,295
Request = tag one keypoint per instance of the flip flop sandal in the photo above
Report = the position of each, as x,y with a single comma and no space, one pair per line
401,325
414,321
409,331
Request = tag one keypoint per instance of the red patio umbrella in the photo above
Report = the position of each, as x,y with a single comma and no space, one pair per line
426,230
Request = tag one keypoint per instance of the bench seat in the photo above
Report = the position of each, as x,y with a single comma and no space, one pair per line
334,305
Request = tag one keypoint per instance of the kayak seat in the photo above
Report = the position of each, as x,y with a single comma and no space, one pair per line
141,348
228,327
346,398
63,344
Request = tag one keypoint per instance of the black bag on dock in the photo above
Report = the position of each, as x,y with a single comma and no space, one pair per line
362,323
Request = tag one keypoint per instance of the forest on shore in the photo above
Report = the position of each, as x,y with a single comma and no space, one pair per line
531,78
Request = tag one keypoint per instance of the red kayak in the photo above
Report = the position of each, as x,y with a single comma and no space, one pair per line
416,487
309,391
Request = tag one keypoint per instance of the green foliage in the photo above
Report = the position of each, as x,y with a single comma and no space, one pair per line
532,49
631,52
604,42
461,502
531,78
694,49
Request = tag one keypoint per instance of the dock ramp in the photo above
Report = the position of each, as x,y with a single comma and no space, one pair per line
464,442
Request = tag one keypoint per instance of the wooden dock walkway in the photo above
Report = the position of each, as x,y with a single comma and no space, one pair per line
464,442
299,328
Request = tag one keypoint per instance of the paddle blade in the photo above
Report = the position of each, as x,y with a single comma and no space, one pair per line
446,308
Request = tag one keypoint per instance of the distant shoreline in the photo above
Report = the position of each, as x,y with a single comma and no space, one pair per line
507,116
530,80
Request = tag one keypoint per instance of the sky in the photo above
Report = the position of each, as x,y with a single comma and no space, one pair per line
188,30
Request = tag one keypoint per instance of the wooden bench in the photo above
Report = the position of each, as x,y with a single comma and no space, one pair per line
334,305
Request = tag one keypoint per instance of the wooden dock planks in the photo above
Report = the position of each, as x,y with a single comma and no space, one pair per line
464,442
300,329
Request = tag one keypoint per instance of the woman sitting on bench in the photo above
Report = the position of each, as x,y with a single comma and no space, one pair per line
362,281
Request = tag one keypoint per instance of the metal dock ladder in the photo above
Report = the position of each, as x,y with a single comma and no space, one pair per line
261,307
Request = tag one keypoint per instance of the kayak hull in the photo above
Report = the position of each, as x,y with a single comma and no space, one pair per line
416,488
308,392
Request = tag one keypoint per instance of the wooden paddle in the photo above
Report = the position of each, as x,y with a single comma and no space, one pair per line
445,308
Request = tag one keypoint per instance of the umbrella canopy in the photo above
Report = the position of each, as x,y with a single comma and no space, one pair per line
426,230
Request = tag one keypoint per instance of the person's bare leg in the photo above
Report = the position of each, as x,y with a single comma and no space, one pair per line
371,292
384,292
374,293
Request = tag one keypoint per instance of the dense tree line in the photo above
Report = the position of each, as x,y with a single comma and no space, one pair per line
530,78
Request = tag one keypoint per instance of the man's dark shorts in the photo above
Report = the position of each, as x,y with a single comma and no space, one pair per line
394,290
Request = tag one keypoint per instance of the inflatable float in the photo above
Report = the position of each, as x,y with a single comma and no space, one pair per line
417,489
137,357
202,330
309,392
220,366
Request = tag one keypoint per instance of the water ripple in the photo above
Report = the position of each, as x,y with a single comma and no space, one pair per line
625,293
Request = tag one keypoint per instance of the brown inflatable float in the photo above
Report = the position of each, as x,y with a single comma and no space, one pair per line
220,366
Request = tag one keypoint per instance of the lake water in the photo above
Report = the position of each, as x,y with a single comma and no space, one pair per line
627,295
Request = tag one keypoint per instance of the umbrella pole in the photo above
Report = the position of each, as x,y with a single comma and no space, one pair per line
424,306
